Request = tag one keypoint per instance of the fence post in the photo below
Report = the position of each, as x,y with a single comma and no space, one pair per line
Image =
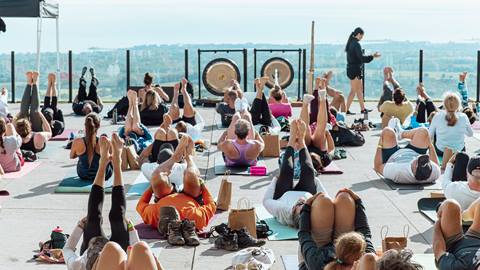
478,77
12,64
70,76
199,76
304,52
186,64
245,68
420,67
128,69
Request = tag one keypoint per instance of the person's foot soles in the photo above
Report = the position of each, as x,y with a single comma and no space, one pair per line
34,77
84,70
394,124
322,94
308,98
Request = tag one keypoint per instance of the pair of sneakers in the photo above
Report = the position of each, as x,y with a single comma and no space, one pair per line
178,232
233,240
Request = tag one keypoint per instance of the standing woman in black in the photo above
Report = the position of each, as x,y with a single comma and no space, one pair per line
355,61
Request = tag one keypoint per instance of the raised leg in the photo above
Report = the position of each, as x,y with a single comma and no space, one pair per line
460,167
344,213
419,137
318,138
188,110
305,117
112,257
322,219
141,257
26,98
450,218
285,177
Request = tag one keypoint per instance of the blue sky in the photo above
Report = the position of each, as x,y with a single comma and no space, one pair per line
125,23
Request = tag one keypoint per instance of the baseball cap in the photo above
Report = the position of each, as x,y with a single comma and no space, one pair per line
473,164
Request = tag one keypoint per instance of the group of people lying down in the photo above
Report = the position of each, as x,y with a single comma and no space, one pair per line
333,231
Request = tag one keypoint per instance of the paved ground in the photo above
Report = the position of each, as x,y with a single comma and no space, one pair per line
33,210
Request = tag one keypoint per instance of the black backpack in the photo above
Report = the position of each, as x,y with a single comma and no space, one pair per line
343,136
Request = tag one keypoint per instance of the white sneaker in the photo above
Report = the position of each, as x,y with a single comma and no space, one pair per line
322,94
394,124
308,98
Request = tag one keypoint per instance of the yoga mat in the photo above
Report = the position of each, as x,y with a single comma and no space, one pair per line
332,168
221,169
139,186
290,262
146,231
26,169
428,208
476,126
65,135
280,231
73,184
421,186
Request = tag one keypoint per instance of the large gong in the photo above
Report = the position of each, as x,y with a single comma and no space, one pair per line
280,66
218,74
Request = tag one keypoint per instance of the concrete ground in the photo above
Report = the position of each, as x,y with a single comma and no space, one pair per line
33,209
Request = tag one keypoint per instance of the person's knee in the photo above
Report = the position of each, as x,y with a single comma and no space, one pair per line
322,201
422,131
388,133
191,183
368,259
112,250
344,199
140,248
451,206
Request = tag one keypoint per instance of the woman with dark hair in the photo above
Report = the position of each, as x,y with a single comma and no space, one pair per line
148,82
50,110
86,103
87,150
400,107
355,61
318,138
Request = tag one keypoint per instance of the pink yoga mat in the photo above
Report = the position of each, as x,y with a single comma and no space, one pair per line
65,135
26,169
332,168
476,125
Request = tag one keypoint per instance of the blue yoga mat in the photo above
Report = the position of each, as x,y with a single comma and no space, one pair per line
139,186
280,231
73,184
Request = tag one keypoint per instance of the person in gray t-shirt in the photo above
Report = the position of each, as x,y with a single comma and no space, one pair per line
9,147
226,109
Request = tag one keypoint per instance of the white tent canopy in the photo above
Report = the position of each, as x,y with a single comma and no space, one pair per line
39,9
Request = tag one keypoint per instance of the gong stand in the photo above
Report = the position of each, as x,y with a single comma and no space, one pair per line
299,69
199,57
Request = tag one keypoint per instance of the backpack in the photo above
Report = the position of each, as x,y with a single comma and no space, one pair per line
284,124
343,136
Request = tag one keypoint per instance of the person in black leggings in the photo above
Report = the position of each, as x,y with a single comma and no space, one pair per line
93,226
50,110
83,103
260,111
425,106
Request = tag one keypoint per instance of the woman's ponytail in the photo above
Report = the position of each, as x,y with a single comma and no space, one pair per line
451,102
355,32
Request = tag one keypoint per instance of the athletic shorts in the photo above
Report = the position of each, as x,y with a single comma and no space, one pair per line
388,152
190,120
354,72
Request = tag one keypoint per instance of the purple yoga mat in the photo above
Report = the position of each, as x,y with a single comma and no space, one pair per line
146,231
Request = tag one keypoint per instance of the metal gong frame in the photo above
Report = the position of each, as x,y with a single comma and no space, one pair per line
283,61
300,52
199,58
210,64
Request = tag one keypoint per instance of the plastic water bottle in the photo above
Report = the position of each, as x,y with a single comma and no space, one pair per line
114,116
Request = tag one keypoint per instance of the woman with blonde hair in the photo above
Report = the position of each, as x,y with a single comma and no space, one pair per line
152,109
449,128
349,248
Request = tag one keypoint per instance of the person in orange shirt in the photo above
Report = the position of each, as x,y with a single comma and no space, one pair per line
193,202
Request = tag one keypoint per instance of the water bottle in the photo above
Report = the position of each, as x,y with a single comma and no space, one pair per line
477,107
58,238
365,115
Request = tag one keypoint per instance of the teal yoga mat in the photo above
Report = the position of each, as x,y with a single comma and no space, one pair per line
139,186
73,184
280,231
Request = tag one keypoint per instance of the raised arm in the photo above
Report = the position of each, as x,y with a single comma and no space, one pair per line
162,93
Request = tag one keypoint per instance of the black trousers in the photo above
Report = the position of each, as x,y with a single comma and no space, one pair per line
93,228
83,97
460,167
285,179
53,115
314,108
261,112
424,109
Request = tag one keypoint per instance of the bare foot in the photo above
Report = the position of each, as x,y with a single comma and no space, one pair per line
131,94
34,77
117,145
293,133
52,78
302,130
105,146
29,77
317,83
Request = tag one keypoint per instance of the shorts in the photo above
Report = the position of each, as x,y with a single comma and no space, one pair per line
324,156
190,120
388,152
354,72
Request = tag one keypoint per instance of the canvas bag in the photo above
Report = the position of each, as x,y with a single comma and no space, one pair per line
391,242
224,197
243,217
272,145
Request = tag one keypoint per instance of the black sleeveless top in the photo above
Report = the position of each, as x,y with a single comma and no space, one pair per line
30,146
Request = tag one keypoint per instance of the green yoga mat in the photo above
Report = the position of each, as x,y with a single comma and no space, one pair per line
139,186
73,184
280,231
